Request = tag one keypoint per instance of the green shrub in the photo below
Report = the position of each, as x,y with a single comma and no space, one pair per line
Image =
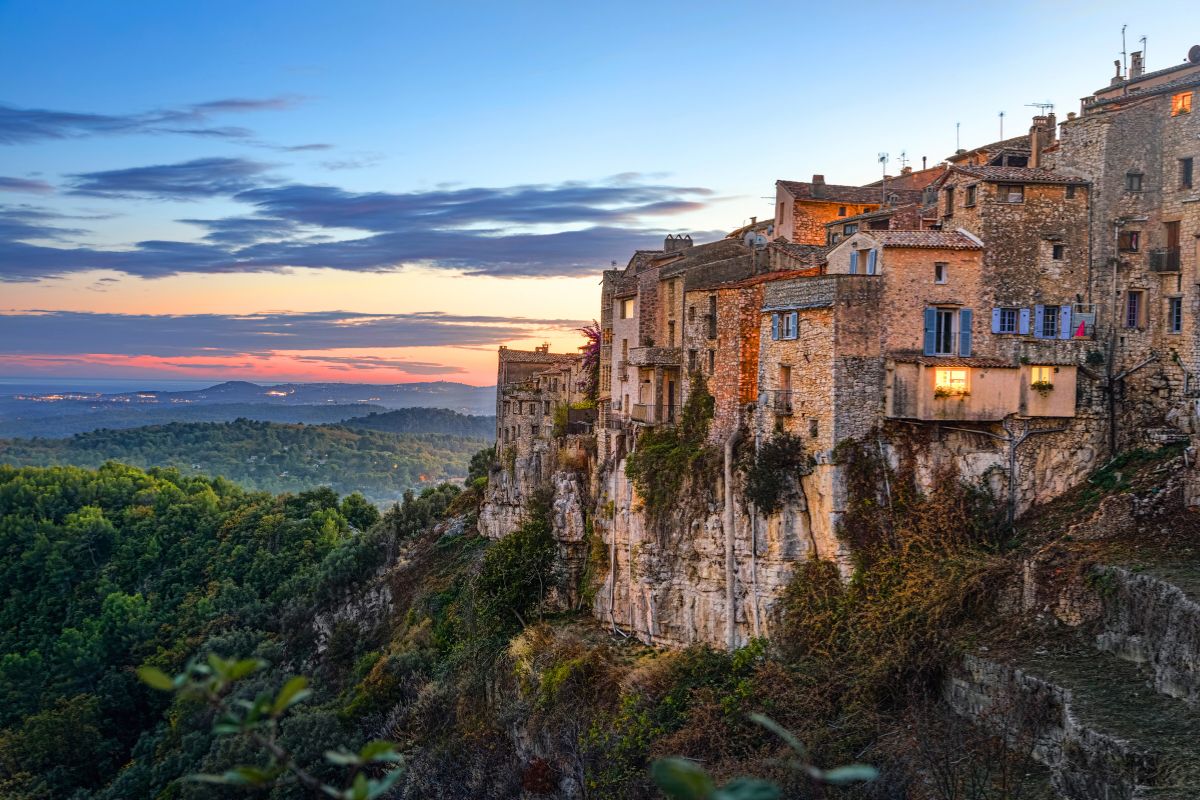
774,473
664,456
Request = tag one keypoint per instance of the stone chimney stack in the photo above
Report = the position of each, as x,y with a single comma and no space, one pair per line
1042,134
818,186
1136,67
674,244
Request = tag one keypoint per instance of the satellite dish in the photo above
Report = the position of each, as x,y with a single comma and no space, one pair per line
1194,54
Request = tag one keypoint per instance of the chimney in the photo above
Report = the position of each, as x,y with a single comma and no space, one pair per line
1136,67
674,244
1042,134
753,221
818,186
906,170
1116,81
544,347
923,162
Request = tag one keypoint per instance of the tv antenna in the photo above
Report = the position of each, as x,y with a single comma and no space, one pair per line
1001,126
1045,108
903,159
883,162
1124,55
1144,50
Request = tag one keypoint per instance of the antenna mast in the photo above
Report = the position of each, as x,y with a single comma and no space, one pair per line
1124,55
1145,49
883,162
1001,126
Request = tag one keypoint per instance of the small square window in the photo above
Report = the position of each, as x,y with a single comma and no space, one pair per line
841,211
850,228
1010,193
1128,241
1181,103
939,272
1133,181
1070,192
1042,375
950,381
969,199
1058,251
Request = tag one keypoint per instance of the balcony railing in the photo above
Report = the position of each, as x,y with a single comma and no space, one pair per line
650,414
1166,260
780,401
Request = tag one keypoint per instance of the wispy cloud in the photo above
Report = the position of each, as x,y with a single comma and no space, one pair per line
570,228
66,333
24,185
22,125
189,180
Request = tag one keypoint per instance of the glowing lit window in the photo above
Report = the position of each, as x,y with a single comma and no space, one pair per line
950,381
1042,375
1181,103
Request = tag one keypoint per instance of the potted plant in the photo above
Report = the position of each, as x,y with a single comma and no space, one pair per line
1042,387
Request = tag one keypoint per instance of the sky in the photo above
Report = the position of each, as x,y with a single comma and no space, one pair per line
385,192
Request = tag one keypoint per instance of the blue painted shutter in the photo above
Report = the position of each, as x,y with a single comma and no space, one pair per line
854,262
794,326
964,332
871,257
930,331
1064,322
1023,323
995,320
774,326
1039,313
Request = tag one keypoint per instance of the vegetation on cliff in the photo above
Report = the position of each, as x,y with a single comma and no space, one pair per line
665,455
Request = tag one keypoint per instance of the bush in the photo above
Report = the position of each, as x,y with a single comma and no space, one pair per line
664,456
774,473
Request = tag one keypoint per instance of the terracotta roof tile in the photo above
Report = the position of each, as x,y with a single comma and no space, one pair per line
917,357
1018,175
941,240
835,193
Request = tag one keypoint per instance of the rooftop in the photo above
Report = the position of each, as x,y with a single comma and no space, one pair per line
819,191
938,240
535,356
1018,175
1015,143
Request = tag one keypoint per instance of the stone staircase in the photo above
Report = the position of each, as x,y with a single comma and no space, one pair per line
1111,708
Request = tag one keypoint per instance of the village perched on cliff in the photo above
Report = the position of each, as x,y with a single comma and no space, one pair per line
1020,312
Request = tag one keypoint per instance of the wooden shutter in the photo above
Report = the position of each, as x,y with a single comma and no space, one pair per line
853,262
930,331
964,332
1039,314
775,326
793,324
872,256
1064,322
1023,322
995,320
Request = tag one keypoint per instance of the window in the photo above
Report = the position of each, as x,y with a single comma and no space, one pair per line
712,316
1128,241
949,211
850,228
833,238
712,361
789,322
1058,251
692,360
950,381
1006,320
671,333
1174,314
814,428
1070,192
1041,375
842,211
969,199
1133,309
1185,173
545,406
1010,193
627,308
1181,104
939,272
691,313
1049,322
534,429
1133,181
872,261
945,332
670,297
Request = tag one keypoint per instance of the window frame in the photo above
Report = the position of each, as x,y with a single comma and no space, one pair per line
1132,178
1015,312
1187,173
1058,252
1181,103
969,194
1174,315
951,334
1132,239
1135,304
953,380
1050,322
941,272
1006,191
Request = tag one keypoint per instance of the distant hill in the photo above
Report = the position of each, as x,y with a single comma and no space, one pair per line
34,420
269,456
426,420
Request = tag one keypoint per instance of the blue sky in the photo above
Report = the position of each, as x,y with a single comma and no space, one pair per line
467,163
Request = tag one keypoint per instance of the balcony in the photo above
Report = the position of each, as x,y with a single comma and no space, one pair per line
780,401
655,357
650,414
1165,260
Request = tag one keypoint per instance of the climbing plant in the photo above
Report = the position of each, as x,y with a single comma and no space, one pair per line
774,472
665,455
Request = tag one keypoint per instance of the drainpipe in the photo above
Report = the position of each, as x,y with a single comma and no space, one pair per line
730,566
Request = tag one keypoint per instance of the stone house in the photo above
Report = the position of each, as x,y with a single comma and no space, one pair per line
1138,142
802,209
530,386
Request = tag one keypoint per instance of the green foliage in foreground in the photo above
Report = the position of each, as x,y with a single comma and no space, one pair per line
267,456
102,571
